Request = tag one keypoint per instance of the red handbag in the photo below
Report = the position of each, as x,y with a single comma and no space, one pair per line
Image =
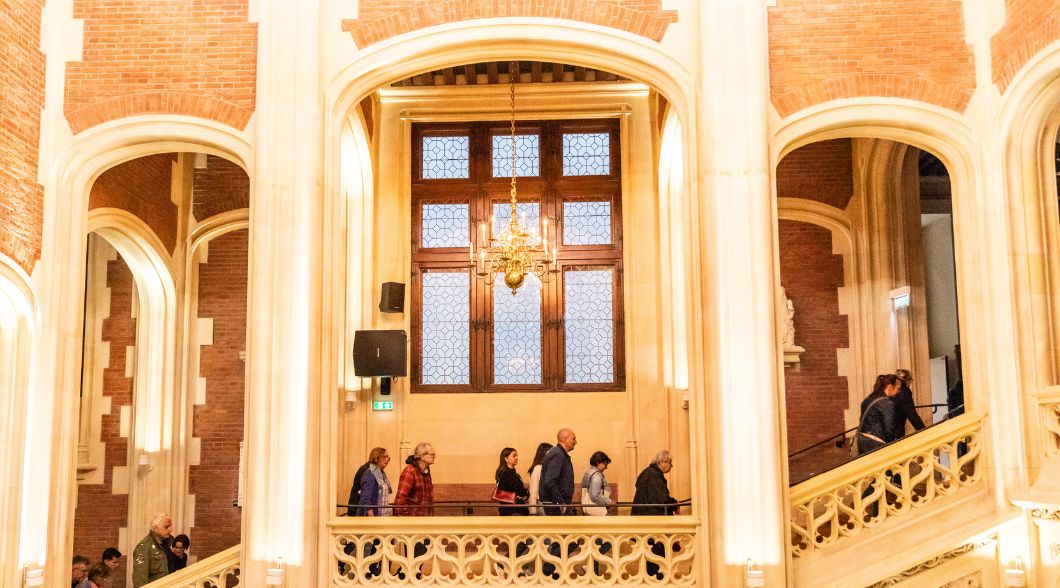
502,496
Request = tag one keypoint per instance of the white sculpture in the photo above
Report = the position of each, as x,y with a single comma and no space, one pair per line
791,350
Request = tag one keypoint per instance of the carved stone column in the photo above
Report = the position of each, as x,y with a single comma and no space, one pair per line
735,221
281,512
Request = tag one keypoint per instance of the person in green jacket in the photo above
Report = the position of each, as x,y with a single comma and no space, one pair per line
149,557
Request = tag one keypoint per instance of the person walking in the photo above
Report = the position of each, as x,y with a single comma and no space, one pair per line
556,488
535,478
508,480
149,557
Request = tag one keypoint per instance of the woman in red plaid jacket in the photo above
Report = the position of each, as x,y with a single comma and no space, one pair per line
415,492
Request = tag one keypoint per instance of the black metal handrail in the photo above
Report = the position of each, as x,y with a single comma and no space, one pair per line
842,437
468,506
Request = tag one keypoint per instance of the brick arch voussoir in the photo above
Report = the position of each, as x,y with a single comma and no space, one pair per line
651,25
950,96
159,103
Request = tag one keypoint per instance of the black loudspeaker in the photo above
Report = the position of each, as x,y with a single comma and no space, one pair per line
392,297
380,353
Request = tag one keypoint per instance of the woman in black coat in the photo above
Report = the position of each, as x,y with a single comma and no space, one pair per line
652,488
508,480
878,415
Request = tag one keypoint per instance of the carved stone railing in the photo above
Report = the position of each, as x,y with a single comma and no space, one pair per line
889,482
220,570
513,550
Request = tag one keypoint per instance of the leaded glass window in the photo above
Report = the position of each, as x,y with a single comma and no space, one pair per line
587,223
586,154
446,157
517,332
445,225
589,328
529,214
564,334
446,328
527,155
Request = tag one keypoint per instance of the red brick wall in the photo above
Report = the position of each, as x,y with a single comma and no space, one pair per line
822,50
219,423
382,19
1030,25
143,187
22,88
100,512
160,56
821,171
219,187
816,394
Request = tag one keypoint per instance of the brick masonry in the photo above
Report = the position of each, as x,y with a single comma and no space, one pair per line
219,187
816,394
100,511
821,50
142,187
379,20
22,88
218,424
1030,25
821,171
163,57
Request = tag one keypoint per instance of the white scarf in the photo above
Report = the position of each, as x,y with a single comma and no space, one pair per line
384,484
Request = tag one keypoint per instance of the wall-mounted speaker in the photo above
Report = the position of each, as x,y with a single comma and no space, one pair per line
392,297
379,353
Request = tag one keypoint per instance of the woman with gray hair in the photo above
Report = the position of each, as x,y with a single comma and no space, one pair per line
652,488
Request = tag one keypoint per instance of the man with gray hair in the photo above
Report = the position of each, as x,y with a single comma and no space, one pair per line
415,491
149,557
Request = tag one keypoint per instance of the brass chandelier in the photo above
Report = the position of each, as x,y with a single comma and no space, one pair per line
517,250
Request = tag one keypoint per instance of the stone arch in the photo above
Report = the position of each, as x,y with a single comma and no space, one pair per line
1030,120
845,243
18,322
498,40
90,154
976,212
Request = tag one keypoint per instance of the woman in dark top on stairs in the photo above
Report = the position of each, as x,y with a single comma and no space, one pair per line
508,480
878,415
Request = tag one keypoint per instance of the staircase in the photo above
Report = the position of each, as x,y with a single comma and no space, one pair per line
220,570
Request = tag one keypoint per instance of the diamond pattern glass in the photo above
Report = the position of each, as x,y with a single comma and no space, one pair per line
527,155
587,223
517,332
529,213
586,154
589,326
445,225
446,157
446,337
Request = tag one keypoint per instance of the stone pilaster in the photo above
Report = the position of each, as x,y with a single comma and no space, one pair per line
281,512
734,223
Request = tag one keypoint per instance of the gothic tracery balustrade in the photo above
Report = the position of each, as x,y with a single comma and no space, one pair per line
514,551
890,482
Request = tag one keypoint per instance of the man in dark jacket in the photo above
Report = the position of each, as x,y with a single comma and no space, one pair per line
557,487
652,487
557,474
905,406
355,492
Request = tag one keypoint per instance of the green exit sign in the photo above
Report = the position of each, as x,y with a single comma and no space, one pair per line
382,405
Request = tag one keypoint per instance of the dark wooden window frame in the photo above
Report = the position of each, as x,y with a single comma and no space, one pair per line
549,189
